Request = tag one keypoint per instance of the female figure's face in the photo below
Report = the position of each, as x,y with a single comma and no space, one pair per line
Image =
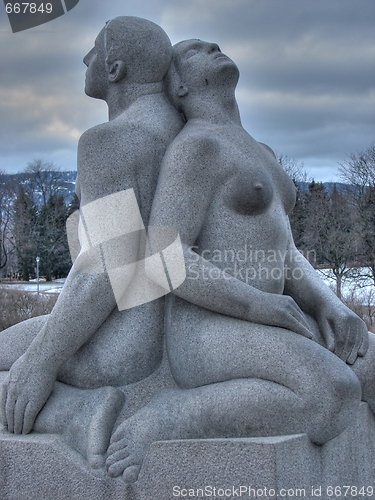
201,64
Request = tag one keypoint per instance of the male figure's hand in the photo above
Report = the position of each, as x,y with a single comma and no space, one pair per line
279,310
24,393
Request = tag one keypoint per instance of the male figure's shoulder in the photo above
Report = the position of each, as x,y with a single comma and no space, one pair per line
128,150
153,116
110,134
107,160
150,122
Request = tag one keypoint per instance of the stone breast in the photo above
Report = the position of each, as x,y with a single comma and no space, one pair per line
250,193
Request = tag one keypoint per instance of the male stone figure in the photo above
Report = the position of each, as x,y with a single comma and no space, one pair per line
86,341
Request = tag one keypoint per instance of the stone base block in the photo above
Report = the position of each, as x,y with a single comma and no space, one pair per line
42,467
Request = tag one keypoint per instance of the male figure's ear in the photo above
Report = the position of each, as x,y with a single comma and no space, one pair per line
182,91
116,71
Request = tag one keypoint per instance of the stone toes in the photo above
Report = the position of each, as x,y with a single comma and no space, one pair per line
117,444
116,457
118,467
131,474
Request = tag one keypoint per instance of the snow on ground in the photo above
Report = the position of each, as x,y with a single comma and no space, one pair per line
360,288
46,287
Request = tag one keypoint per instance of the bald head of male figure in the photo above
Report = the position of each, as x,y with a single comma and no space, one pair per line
131,57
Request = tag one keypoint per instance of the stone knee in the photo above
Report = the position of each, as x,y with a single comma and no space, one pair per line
335,403
15,341
364,368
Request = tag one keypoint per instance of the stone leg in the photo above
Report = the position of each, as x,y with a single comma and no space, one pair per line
237,408
14,341
125,349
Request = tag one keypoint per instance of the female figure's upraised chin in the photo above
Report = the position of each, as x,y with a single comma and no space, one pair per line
257,344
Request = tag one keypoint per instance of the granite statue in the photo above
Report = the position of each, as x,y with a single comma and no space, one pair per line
256,344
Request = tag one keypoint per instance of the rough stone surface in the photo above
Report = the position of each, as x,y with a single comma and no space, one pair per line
39,467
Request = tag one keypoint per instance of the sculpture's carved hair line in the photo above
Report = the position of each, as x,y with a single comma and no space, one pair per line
105,41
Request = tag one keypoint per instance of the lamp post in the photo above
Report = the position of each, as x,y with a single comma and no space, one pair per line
37,274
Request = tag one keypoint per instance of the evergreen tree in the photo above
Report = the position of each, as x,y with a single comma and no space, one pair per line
7,195
50,238
24,225
298,215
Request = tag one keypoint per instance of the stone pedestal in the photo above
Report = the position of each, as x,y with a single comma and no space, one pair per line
42,467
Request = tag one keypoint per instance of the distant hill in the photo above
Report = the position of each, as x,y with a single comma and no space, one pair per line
68,184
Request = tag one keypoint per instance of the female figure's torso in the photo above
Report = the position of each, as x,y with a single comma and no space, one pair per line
246,231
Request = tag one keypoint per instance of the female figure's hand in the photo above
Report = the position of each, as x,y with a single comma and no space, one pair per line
345,334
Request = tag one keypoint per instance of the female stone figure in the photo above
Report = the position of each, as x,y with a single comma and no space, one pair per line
258,345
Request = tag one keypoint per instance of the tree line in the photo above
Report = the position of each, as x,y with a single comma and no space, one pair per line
336,223
33,213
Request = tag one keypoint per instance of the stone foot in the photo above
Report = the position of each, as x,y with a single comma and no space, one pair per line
83,417
101,425
131,440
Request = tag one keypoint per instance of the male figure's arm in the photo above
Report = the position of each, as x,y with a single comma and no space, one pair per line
85,302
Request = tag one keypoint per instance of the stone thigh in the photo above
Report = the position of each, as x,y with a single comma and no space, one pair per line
205,347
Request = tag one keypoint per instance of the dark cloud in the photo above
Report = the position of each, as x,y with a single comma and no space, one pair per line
306,88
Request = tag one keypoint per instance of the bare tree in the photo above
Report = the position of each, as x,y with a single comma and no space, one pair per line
359,172
294,169
329,231
44,179
359,169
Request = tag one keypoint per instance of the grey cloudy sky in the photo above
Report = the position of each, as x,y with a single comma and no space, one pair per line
307,85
